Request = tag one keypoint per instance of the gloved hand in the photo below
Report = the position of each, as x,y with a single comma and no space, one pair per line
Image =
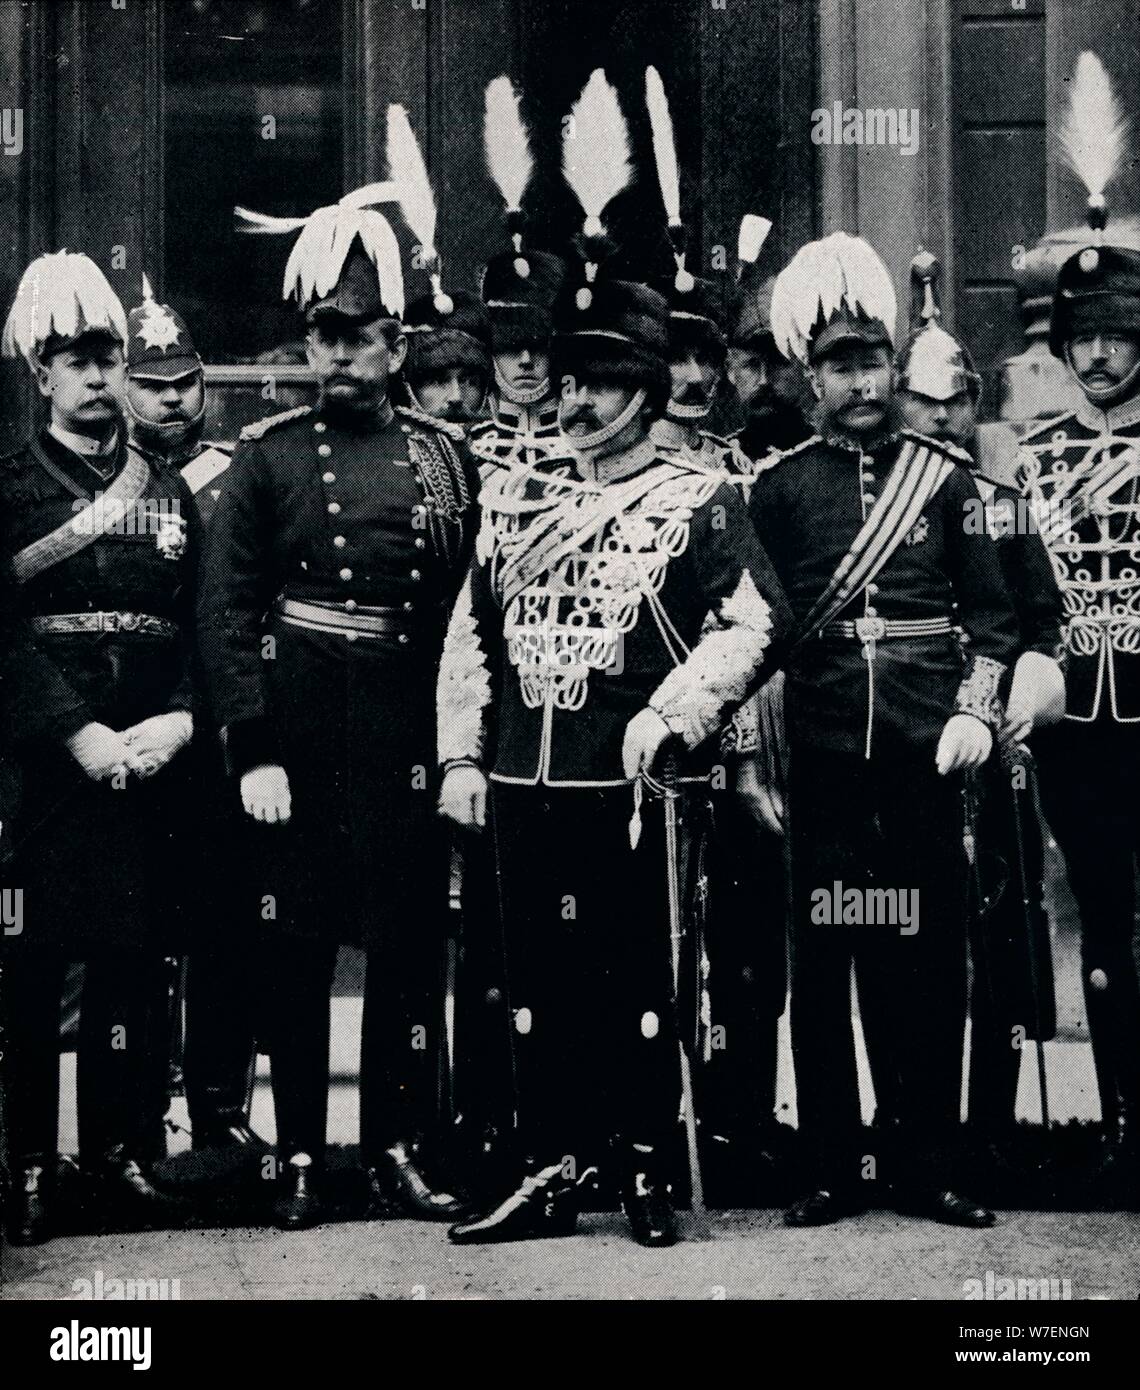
1036,696
156,740
764,804
644,735
265,794
100,751
965,742
463,796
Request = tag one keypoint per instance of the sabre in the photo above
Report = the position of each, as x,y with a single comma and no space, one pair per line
670,795
1015,755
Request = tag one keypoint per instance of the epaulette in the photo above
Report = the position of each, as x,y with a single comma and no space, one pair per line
455,433
259,428
952,451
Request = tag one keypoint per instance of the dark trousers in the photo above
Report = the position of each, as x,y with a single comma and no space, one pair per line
588,968
1012,988
880,824
745,942
401,1036
122,1021
219,1055
1089,775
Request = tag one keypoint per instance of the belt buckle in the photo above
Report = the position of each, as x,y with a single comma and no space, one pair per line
128,622
870,629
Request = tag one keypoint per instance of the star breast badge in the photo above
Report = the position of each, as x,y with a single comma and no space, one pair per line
918,532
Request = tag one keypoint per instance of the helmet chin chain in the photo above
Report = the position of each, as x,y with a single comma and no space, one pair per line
517,396
677,411
1115,395
167,432
589,443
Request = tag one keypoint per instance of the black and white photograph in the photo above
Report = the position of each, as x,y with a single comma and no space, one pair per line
569,670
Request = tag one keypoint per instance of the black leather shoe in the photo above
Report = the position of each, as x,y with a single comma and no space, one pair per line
127,1194
645,1201
398,1188
946,1207
297,1206
544,1204
821,1208
27,1218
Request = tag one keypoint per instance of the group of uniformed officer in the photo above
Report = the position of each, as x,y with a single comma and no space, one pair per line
499,585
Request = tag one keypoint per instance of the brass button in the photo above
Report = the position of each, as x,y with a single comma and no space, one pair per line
346,574
320,427
334,508
869,499
328,477
416,574
324,450
339,542
403,637
872,590
868,477
870,612
408,605
406,428
350,604
350,636
420,542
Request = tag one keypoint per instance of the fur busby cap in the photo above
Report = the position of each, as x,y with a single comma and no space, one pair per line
461,337
695,315
62,297
623,332
519,305
159,345
1098,289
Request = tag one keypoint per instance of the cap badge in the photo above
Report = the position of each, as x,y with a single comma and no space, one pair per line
158,328
1089,259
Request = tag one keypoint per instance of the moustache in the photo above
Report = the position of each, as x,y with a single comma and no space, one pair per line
583,414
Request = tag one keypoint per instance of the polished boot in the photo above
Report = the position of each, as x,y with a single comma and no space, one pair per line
127,1194
27,1215
645,1199
398,1188
297,1206
946,1207
821,1208
544,1204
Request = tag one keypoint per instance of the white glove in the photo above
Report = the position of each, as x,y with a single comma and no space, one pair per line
265,794
101,752
644,735
764,804
463,797
1036,696
965,742
155,741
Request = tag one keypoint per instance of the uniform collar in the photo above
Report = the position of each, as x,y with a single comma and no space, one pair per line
1110,421
88,449
515,417
674,434
615,468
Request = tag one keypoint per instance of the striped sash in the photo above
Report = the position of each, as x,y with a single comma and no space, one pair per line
917,475
87,525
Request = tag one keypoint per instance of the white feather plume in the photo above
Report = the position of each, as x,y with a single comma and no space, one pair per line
406,166
664,145
262,224
61,294
754,231
506,142
595,150
1095,127
839,272
147,292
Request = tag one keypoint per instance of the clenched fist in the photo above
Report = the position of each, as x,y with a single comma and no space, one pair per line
965,742
265,794
644,735
463,797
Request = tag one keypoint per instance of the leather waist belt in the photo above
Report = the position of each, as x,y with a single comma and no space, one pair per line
361,621
105,622
883,629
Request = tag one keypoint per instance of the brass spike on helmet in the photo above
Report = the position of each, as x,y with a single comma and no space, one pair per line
933,363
